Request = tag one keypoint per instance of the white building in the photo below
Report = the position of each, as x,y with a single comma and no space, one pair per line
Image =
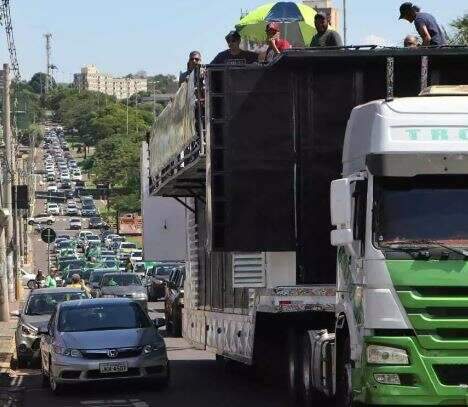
91,79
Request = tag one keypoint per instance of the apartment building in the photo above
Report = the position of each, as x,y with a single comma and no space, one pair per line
91,79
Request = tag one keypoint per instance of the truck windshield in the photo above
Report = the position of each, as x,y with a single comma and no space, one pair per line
421,208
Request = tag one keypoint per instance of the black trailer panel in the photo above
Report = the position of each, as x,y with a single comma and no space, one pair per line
275,139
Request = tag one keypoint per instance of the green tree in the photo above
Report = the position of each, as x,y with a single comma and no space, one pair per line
38,80
461,30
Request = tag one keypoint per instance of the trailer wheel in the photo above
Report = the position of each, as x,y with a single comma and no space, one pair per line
344,391
294,367
310,395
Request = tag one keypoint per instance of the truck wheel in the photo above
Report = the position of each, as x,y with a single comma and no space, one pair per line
310,395
344,390
294,367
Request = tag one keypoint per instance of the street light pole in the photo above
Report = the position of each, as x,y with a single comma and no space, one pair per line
345,27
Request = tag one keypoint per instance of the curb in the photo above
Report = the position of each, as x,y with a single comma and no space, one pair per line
5,365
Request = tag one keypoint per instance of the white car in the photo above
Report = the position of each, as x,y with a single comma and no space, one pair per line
52,188
136,256
53,208
65,177
41,219
26,277
72,210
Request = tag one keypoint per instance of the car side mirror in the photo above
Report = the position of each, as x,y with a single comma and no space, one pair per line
159,322
16,313
43,330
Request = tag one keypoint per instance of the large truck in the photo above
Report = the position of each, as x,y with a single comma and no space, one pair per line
326,230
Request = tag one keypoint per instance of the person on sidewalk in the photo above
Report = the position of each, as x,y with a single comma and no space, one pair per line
325,37
425,23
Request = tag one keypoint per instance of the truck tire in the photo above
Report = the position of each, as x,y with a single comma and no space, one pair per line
344,391
294,367
310,396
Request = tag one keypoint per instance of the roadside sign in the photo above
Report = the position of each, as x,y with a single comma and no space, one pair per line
48,235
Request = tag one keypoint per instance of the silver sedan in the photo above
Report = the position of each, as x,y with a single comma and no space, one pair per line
102,340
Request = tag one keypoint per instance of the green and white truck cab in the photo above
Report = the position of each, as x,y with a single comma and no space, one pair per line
401,218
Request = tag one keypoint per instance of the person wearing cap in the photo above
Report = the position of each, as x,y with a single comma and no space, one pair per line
325,37
425,24
276,45
193,62
234,54
411,41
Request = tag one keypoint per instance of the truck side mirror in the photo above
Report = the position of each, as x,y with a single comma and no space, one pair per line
341,212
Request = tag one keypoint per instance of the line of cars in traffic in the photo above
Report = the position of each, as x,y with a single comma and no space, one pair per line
95,324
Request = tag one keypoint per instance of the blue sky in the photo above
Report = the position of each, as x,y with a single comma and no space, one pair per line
154,35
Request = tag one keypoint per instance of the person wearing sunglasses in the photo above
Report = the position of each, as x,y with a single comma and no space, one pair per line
234,54
193,62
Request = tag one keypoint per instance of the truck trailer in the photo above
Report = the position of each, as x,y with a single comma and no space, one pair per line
326,232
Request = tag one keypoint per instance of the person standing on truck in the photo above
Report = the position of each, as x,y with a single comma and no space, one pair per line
235,55
425,24
325,37
194,60
276,45
411,41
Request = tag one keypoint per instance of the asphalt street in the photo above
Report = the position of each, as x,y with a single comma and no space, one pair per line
197,379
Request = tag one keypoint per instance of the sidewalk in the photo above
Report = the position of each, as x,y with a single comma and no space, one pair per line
7,341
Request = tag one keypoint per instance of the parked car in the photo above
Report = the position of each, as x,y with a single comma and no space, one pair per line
174,301
27,277
75,224
38,308
156,278
126,285
43,218
102,339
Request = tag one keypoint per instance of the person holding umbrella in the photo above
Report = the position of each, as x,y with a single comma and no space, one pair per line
425,24
276,45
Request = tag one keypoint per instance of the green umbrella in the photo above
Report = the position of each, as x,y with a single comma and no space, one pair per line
296,20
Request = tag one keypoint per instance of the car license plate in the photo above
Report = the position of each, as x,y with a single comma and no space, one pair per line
113,367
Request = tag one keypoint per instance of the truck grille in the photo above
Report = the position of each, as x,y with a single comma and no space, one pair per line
438,315
452,375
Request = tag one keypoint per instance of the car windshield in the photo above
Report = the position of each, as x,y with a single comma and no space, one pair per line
96,276
120,280
44,304
163,271
102,317
407,209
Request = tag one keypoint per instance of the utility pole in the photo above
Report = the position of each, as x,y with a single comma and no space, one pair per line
345,24
9,157
48,37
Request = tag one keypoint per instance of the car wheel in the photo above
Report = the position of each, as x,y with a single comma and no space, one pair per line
45,377
163,383
49,222
55,388
31,222
32,284
21,361
169,325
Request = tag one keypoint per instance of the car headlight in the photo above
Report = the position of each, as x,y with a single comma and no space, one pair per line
108,296
74,353
27,330
181,300
140,296
147,349
384,355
